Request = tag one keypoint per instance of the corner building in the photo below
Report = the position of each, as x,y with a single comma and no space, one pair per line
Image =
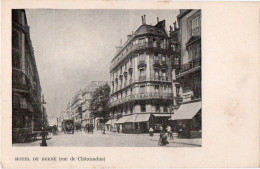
141,87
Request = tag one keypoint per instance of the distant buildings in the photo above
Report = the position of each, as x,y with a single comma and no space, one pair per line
26,88
141,80
188,69
79,107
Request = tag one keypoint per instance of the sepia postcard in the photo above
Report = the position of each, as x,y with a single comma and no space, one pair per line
120,84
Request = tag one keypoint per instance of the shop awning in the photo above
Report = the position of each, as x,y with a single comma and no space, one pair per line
131,118
111,122
122,120
187,111
162,115
108,122
142,117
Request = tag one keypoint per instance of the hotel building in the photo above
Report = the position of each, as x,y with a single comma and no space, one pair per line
26,88
141,80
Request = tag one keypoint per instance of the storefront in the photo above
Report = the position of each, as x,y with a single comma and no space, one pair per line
160,119
187,119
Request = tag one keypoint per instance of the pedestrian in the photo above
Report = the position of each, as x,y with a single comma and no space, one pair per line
163,137
151,131
168,130
91,128
104,130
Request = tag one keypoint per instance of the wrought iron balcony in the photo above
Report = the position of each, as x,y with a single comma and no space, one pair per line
141,64
164,66
156,64
164,78
133,48
190,65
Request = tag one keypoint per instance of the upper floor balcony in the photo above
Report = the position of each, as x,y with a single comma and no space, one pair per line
141,96
191,66
136,47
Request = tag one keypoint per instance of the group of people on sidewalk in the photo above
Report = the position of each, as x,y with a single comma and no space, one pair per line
89,128
164,134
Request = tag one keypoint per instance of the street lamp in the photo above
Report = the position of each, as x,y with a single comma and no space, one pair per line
44,143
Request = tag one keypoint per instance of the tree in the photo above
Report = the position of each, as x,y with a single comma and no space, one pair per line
99,102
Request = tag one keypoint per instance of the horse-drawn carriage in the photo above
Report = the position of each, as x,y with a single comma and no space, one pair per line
68,126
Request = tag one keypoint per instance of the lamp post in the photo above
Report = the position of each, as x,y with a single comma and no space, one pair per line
44,143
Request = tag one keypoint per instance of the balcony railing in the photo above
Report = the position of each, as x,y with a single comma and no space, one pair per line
140,96
164,78
190,65
141,64
133,48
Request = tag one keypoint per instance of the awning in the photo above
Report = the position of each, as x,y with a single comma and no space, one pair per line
131,119
162,115
122,120
111,122
142,117
187,111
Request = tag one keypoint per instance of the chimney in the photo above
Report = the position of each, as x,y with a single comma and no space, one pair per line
144,20
163,23
157,19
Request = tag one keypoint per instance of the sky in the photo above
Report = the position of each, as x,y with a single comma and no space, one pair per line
73,47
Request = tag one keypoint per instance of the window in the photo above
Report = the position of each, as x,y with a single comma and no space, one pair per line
165,89
162,43
195,51
163,59
156,88
165,109
142,72
141,42
195,22
156,74
154,42
164,76
157,108
131,109
141,57
142,89
143,108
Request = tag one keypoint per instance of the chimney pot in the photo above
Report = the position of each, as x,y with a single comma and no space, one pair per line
157,19
144,20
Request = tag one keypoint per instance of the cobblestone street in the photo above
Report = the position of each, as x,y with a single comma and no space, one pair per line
83,139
